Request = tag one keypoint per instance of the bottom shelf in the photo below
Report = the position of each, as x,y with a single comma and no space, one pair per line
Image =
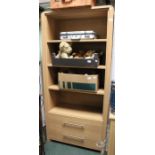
89,113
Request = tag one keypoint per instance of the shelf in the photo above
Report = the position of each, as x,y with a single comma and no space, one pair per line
77,112
81,41
79,12
56,88
99,67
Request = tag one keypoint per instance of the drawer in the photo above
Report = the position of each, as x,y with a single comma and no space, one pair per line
77,131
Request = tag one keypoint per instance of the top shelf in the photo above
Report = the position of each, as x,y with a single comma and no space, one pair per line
82,41
79,12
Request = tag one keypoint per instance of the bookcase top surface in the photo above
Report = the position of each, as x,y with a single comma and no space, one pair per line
82,12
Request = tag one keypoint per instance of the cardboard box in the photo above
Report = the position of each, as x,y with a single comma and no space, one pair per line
83,82
57,4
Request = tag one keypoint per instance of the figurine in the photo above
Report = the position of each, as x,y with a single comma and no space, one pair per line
65,50
89,54
83,54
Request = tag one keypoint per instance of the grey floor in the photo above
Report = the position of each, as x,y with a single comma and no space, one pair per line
55,148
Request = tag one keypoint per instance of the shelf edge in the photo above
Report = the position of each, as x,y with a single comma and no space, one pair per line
56,88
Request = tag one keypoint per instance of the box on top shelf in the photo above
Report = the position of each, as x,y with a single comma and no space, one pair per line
57,4
83,82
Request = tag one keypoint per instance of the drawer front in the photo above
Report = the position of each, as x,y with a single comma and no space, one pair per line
76,131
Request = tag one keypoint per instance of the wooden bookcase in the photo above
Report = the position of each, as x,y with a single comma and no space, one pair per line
77,117
111,145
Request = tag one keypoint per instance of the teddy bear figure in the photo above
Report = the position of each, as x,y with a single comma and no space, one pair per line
65,50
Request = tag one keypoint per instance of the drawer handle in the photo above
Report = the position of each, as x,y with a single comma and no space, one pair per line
66,1
79,139
73,125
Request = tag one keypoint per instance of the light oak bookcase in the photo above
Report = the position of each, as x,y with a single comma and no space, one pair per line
111,145
77,117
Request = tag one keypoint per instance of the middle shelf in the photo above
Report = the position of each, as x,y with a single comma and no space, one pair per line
80,54
56,88
87,81
99,67
78,41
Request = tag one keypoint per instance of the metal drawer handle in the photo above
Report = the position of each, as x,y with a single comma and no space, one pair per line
79,139
73,125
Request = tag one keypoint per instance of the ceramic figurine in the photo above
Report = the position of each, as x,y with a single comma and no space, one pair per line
65,50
